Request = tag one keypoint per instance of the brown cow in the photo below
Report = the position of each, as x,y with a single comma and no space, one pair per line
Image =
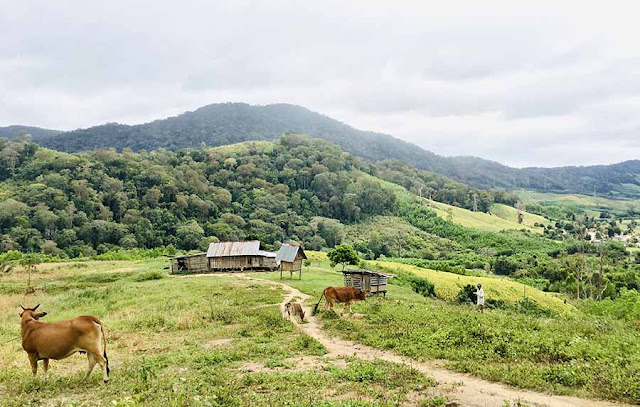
59,340
345,295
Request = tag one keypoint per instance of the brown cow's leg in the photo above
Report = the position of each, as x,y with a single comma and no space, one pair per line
92,362
103,365
33,360
45,365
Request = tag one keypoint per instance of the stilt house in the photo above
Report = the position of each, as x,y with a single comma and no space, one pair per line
290,258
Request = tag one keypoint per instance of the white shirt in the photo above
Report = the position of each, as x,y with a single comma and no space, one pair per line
480,295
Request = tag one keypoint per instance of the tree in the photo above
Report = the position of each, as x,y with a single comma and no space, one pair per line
343,254
30,263
190,236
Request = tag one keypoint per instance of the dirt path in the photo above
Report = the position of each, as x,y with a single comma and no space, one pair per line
464,389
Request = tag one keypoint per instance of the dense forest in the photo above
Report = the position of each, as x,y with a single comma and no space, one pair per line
222,124
295,188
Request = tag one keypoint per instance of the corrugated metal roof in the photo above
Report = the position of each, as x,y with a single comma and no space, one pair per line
188,255
227,249
266,253
288,252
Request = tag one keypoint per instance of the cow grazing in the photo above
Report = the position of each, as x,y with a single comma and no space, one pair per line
346,295
59,340
294,309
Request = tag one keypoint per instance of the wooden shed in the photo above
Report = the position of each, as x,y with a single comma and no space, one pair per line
371,282
241,256
290,258
189,263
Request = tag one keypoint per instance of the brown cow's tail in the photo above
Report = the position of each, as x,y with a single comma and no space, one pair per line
104,344
324,295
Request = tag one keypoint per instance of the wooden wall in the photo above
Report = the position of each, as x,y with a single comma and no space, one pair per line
242,263
192,264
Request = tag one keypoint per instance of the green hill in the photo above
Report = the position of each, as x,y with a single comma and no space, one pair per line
229,123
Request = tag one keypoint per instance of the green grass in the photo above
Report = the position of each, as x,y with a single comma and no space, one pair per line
221,340
510,214
571,352
447,286
217,340
592,204
496,221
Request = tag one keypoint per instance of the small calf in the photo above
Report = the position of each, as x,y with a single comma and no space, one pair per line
294,309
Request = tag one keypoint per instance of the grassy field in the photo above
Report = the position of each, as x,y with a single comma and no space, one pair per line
593,205
501,217
568,353
447,286
220,340
211,341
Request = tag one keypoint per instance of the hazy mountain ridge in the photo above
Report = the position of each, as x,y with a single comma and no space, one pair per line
37,133
227,123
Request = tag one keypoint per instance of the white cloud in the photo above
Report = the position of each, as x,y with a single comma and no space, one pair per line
544,83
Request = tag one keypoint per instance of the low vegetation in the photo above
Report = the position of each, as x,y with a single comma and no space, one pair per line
210,341
585,352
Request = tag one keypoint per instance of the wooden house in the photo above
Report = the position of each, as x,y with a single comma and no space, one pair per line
240,256
290,258
190,263
371,282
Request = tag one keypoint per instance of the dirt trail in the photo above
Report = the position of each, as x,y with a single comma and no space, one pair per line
464,389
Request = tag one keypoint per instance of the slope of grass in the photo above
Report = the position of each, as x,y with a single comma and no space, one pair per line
569,353
448,285
204,341
592,204
511,214
483,221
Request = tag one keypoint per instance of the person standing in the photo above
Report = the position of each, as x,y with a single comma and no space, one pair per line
480,299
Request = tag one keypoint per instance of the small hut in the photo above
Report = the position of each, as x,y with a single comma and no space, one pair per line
290,257
371,282
242,256
189,263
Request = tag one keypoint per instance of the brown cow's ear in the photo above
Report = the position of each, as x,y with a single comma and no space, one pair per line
42,314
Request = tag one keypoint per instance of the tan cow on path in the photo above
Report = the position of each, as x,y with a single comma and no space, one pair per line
59,340
346,295
294,309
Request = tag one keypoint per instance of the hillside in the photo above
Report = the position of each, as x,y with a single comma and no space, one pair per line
37,134
229,123
295,188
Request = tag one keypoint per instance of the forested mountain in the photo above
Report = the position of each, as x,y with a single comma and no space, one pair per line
295,188
221,124
37,134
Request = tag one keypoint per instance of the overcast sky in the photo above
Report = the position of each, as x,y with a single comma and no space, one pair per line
548,84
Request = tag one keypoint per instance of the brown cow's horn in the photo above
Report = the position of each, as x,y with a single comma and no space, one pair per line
22,306
36,307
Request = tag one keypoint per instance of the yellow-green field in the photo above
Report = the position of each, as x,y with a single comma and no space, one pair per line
501,217
447,286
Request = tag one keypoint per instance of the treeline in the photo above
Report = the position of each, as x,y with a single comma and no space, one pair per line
442,189
296,188
103,200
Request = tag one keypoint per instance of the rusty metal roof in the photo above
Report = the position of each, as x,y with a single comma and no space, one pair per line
266,253
228,249
288,252
183,256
